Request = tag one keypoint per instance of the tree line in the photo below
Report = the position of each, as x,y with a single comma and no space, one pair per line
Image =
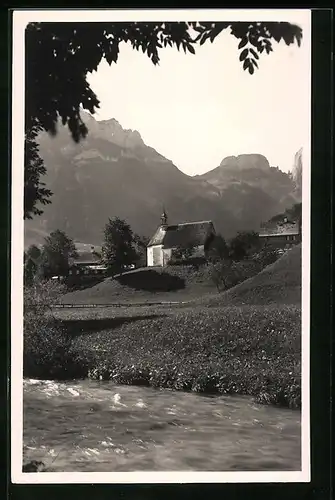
122,248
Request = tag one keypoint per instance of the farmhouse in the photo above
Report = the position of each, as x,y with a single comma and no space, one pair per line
168,238
87,263
283,234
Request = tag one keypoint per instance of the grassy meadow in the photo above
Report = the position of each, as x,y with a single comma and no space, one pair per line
246,340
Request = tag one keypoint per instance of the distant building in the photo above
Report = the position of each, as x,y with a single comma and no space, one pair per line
282,234
168,238
87,263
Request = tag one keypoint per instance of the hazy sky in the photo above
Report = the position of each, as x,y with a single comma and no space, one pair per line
198,109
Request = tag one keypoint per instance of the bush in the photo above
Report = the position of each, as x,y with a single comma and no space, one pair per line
266,256
194,261
40,294
244,244
47,351
151,280
226,273
223,275
278,283
182,254
246,269
217,249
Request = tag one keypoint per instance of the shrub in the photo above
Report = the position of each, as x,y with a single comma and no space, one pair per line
40,294
31,263
151,280
223,275
278,283
266,256
246,269
244,244
217,249
182,254
227,273
47,351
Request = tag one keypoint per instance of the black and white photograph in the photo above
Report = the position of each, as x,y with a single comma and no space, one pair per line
160,246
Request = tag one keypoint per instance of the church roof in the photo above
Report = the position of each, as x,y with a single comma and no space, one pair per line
188,233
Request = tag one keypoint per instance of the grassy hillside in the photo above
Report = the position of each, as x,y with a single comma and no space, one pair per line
174,283
279,283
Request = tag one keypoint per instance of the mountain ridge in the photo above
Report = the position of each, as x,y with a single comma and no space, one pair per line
114,173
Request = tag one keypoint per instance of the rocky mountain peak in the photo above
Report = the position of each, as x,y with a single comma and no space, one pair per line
246,161
111,130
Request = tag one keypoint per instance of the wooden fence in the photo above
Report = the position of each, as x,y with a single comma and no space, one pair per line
89,306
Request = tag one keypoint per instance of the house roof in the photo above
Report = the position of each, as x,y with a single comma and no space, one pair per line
172,236
280,229
86,258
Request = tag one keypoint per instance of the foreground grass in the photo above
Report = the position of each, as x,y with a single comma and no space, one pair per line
251,350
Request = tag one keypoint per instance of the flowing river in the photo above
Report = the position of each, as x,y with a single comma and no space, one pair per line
102,427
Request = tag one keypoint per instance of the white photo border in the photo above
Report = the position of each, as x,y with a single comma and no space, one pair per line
20,20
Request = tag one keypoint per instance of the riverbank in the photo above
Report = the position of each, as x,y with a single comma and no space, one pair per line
247,350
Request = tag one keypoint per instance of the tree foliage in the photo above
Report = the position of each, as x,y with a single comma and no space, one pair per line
35,191
31,263
293,214
228,273
244,244
218,249
33,252
183,252
47,347
57,253
60,55
40,294
118,249
140,246
223,274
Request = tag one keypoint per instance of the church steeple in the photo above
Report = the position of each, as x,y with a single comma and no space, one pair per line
164,218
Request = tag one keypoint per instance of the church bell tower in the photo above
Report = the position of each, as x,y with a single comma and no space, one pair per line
164,219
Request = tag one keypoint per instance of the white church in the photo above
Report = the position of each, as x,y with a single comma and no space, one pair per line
170,237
